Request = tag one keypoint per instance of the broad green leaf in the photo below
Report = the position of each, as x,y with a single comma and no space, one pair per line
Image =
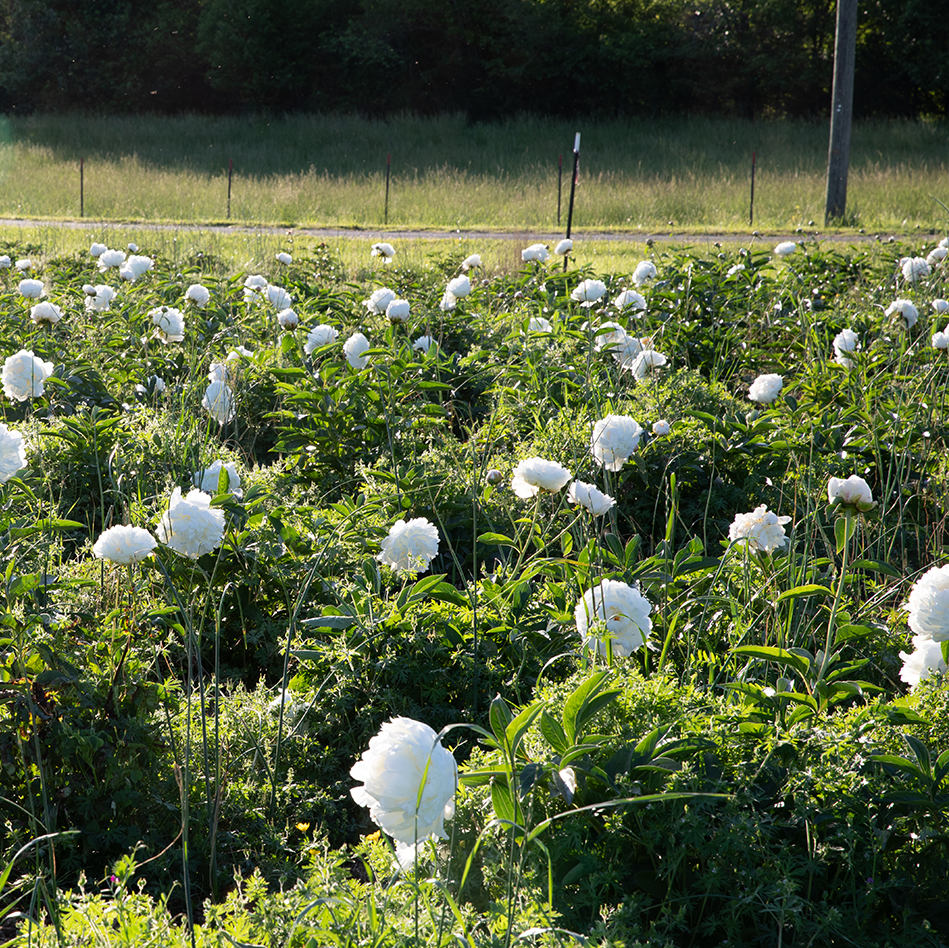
328,622
798,592
877,566
553,733
773,654
516,730
499,716
575,702
501,799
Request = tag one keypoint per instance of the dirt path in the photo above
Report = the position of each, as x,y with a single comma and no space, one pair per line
685,238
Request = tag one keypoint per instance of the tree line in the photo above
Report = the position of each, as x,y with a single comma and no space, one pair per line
490,59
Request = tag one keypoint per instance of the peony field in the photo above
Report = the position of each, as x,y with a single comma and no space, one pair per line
442,600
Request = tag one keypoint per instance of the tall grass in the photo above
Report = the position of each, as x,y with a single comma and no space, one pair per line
330,170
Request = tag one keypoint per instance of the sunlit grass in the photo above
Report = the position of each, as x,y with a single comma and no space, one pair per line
330,171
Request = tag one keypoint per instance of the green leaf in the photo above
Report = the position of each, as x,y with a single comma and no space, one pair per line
328,622
877,566
921,753
575,703
516,730
499,716
553,733
501,799
798,592
844,529
496,539
773,654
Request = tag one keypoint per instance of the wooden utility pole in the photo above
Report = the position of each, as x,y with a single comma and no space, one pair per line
838,155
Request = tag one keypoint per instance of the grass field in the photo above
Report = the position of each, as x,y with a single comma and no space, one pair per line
330,171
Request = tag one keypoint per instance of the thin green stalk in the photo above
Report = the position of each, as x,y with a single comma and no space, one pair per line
838,595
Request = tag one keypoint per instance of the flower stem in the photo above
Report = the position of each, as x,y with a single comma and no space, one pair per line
841,579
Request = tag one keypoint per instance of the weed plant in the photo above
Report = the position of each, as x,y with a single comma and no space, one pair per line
760,766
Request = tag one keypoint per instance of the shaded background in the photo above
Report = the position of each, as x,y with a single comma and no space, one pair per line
489,60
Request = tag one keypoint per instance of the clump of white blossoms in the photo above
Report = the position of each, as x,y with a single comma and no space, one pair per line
928,605
398,311
31,289
661,427
353,349
539,324
410,546
941,306
645,270
198,294
288,319
98,298
614,440
24,374
759,530
111,258
914,269
379,300
459,287
169,324
622,610
154,385
408,783
191,526
278,297
785,248
923,662
532,475
46,314
941,338
5,262
586,495
906,309
254,286
135,267
218,400
423,344
97,250
12,453
469,263
630,299
318,337
647,363
846,343
588,292
853,492
24,264
208,479
285,259
765,389
609,335
563,247
124,545
385,251
537,252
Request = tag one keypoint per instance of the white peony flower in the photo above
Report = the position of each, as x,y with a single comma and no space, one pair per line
630,299
398,311
288,319
254,286
536,252
941,306
564,247
846,343
532,475
408,783
627,351
469,263
386,251
5,262
610,336
539,324
914,269
941,339
661,427
218,372
12,453
410,546
645,270
622,609
853,491
423,344
169,324
759,530
379,300
207,480
218,401
646,363
111,258
100,299
924,661
132,248
765,389
46,314
448,302
735,269
135,267
278,297
198,294
586,495
124,545
285,259
191,526
588,292
318,337
614,440
154,385
24,265
31,289
785,248
459,287
23,376
353,349
928,605
936,256
905,309
97,250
